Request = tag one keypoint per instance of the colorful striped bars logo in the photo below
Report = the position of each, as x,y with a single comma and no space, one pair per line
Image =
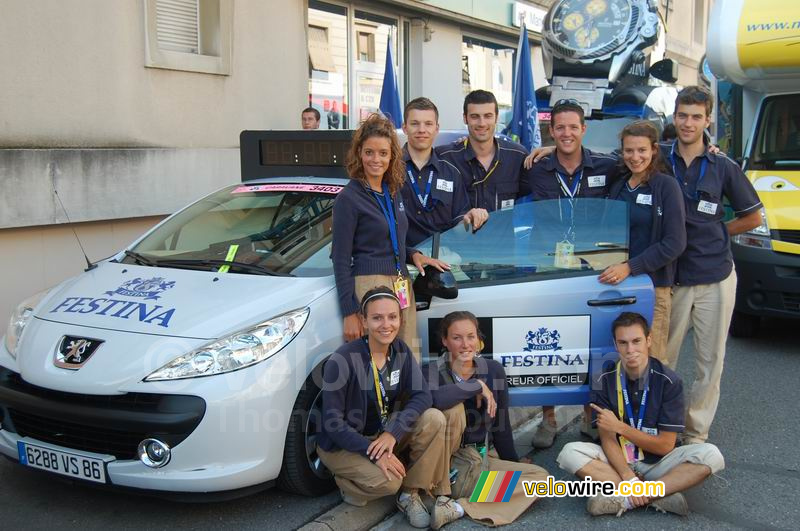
495,486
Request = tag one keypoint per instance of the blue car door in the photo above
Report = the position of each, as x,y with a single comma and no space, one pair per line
530,276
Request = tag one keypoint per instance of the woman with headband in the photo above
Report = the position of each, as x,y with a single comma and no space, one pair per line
370,227
463,381
375,405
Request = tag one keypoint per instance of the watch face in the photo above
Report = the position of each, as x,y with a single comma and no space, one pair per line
584,25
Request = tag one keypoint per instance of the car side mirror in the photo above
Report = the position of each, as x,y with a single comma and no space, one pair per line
435,283
665,70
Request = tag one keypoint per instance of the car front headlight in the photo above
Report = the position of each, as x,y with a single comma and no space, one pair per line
235,351
19,320
758,237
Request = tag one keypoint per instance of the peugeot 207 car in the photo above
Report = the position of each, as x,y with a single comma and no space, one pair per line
190,362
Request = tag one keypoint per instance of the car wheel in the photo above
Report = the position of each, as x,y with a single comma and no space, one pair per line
744,325
303,471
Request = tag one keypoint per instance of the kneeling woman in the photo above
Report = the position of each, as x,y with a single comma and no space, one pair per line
375,406
465,383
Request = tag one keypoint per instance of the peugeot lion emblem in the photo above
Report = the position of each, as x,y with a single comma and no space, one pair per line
73,351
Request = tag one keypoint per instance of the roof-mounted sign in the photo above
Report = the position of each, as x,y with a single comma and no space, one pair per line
319,153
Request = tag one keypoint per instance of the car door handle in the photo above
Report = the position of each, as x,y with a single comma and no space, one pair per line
619,301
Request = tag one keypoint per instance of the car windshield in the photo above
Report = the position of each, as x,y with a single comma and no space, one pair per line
537,240
270,229
778,139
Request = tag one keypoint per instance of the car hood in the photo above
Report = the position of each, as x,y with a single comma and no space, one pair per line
175,302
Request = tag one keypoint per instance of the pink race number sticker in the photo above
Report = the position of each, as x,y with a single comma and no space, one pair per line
318,188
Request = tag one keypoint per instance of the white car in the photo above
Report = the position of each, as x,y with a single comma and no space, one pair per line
190,362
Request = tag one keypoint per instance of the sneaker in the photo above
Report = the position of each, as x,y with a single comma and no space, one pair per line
349,500
589,431
674,503
599,505
545,435
415,511
445,511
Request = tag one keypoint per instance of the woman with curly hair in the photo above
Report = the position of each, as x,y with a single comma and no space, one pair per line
369,230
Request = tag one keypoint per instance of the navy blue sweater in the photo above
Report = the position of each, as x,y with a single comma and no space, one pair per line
668,237
348,388
446,395
361,242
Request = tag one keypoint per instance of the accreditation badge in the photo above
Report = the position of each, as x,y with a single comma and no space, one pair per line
401,292
564,255
632,454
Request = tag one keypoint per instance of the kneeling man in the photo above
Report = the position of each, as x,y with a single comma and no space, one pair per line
640,412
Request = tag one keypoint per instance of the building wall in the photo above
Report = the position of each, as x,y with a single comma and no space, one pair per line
38,258
80,81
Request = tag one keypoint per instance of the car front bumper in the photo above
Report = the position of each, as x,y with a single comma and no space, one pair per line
768,282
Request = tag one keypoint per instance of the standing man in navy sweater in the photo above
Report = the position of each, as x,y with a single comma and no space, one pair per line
434,192
705,284
489,166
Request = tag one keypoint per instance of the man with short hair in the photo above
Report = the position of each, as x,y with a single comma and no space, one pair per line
309,118
490,166
705,281
434,191
640,412
571,171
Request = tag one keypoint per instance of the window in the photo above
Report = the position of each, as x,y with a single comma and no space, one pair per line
699,21
346,61
778,137
366,47
489,66
193,35
328,64
530,242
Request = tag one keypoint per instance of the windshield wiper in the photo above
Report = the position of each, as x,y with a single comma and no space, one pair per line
141,259
252,268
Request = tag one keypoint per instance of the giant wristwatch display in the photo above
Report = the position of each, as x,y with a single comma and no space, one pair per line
596,40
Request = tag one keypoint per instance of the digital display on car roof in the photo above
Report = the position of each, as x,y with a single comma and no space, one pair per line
273,153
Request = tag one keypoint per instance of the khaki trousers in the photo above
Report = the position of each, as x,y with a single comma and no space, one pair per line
659,329
363,481
708,309
491,513
408,329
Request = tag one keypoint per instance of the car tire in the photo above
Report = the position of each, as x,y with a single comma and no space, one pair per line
302,471
744,325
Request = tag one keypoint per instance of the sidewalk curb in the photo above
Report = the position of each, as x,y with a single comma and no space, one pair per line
346,517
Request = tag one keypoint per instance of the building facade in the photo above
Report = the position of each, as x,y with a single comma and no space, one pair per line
115,114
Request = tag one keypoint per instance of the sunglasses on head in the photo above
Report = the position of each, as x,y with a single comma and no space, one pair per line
695,94
567,102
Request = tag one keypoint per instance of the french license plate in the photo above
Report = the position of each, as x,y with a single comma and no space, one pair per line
62,462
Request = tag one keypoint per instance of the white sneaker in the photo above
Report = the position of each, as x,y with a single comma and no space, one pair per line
445,511
414,509
599,505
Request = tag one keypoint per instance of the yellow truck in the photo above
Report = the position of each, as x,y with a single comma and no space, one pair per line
754,52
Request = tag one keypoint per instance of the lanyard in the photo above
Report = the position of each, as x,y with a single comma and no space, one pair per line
380,393
488,174
703,168
423,199
623,397
570,193
388,212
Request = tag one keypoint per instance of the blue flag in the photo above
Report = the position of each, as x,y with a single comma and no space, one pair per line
390,96
524,124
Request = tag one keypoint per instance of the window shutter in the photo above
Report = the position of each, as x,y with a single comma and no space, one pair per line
319,49
177,23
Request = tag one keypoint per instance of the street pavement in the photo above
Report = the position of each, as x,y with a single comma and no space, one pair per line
755,428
